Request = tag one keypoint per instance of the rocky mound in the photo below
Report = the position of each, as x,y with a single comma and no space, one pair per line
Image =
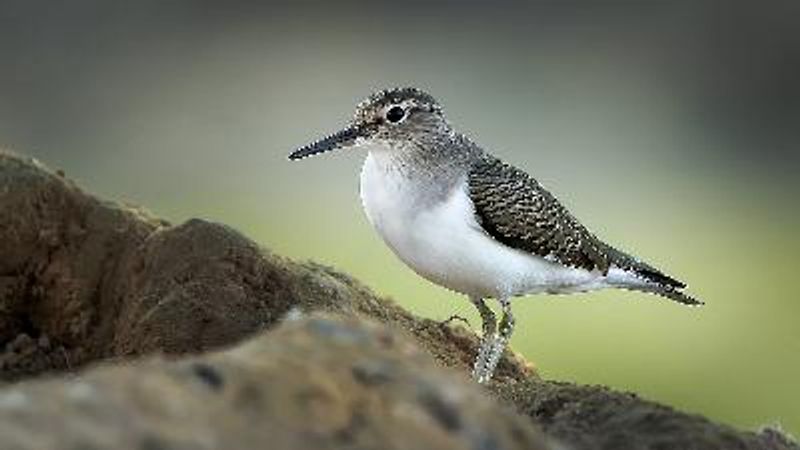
317,383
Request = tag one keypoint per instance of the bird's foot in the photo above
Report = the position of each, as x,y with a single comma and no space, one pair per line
493,345
479,367
454,318
489,355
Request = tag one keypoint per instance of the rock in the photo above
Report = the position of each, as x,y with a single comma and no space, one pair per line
87,281
318,382
598,418
60,251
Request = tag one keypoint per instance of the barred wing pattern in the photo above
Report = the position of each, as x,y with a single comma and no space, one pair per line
514,209
517,211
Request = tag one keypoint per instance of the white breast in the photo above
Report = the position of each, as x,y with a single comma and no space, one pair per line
442,241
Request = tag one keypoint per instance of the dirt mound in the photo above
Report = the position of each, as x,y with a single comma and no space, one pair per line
316,382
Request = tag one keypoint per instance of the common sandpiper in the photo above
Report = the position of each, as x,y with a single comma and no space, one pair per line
467,221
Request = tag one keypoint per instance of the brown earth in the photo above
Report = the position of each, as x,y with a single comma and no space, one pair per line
85,281
316,382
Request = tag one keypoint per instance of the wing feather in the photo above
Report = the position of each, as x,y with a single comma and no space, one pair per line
514,209
517,211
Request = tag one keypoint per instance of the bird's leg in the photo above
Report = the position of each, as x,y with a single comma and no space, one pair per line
488,319
488,337
495,349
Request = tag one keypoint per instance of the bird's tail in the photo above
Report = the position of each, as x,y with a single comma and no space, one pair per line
669,292
630,273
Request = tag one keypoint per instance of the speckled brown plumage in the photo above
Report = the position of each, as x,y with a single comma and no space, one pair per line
517,211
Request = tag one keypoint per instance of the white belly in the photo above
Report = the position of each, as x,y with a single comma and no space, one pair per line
443,242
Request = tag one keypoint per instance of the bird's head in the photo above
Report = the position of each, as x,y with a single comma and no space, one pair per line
392,119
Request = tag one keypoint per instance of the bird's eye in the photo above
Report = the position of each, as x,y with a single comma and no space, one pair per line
395,114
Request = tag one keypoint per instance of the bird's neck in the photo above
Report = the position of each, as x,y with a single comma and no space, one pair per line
428,155
431,168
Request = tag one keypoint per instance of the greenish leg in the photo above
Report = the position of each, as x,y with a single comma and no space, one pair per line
492,348
489,322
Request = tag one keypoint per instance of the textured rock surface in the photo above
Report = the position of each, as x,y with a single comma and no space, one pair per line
85,281
317,383
595,417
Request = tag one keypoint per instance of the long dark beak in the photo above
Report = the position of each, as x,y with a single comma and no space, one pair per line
341,139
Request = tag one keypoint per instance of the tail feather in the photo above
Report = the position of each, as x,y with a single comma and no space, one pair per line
647,278
657,276
668,292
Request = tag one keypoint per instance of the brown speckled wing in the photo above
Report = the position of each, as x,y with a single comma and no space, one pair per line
517,211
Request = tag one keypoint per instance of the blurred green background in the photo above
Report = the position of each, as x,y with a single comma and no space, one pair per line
673,131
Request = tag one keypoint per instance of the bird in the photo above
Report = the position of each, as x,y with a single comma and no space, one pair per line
465,220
